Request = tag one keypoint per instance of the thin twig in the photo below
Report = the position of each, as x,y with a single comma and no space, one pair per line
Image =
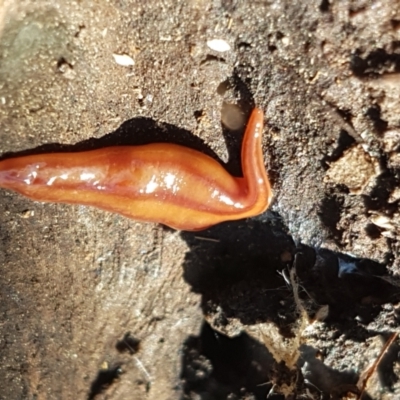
207,239
370,371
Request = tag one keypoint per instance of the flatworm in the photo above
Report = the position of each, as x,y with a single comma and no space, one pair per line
166,183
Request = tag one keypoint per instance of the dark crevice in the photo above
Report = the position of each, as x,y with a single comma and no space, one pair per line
330,214
104,379
378,197
237,268
374,113
211,58
372,231
376,63
324,6
221,367
395,24
128,344
345,141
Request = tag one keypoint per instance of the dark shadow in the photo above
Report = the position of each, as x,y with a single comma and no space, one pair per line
136,131
210,58
352,287
375,63
374,114
324,6
236,268
217,367
386,367
379,196
241,270
142,131
330,214
345,141
104,379
129,344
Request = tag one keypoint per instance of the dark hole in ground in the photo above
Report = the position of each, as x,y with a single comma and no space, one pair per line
330,214
128,344
324,5
395,24
243,46
372,231
104,379
375,63
344,142
198,114
379,195
374,113
217,367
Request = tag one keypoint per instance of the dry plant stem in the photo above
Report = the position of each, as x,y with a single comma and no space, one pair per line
284,349
366,375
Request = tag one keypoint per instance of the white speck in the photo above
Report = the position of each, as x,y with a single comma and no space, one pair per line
256,135
85,176
219,45
30,177
215,193
51,181
64,176
285,41
149,98
151,186
260,181
169,180
258,125
171,183
99,187
3,101
226,200
124,60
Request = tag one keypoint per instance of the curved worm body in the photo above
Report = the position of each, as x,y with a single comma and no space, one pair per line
159,182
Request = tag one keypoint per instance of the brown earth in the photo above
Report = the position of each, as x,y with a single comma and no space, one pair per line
298,302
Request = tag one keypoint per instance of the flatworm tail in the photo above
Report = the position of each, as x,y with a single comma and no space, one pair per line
254,172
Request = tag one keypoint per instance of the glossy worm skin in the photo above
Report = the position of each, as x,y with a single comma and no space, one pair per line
159,182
